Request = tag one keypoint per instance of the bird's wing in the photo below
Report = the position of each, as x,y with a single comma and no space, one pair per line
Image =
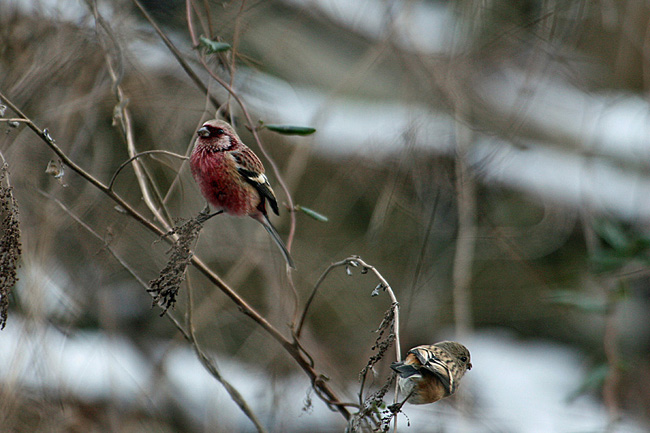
251,169
431,359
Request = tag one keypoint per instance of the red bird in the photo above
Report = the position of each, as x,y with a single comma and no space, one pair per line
231,177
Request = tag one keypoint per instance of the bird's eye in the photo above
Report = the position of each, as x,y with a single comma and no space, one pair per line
463,358
218,131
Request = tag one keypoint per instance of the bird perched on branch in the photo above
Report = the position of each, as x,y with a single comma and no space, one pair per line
231,177
430,373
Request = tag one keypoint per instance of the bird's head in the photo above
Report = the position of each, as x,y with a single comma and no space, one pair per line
217,135
459,352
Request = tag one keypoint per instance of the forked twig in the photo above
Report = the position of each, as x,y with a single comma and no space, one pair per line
355,262
367,407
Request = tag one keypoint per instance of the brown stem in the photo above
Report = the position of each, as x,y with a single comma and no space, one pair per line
610,347
207,363
138,155
211,365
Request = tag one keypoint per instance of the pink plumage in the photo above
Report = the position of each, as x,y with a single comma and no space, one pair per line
231,177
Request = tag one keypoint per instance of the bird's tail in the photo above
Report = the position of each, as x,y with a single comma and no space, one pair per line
404,370
276,237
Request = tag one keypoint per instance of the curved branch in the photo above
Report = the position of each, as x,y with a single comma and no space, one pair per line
301,321
138,155
355,261
212,368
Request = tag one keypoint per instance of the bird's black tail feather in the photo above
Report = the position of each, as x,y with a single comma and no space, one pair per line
278,240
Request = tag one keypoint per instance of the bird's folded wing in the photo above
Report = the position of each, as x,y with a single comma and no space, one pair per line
432,362
261,184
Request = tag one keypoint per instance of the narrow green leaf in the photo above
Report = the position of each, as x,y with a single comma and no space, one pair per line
211,46
567,298
312,213
291,130
613,234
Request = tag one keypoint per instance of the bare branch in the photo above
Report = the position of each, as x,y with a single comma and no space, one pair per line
207,363
138,155
177,55
212,368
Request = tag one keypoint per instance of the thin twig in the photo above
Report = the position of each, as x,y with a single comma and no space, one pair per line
320,280
466,237
178,56
16,120
611,384
123,114
355,261
138,155
207,363
211,365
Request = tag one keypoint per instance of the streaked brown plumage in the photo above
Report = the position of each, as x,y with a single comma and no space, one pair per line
432,372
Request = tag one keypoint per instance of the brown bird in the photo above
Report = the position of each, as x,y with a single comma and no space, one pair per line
430,373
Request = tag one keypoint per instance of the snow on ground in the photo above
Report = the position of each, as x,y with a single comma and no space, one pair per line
515,386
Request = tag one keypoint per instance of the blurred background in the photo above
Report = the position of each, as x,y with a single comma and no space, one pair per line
490,158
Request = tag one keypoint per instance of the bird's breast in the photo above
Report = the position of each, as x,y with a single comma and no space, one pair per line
221,184
423,388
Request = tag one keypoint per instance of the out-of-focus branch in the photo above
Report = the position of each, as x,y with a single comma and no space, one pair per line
122,113
211,366
610,347
610,336
177,55
466,238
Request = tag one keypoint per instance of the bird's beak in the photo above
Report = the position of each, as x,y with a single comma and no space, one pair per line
469,366
203,132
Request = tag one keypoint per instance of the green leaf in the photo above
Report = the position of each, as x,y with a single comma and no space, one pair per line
290,130
211,46
567,298
312,213
613,234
